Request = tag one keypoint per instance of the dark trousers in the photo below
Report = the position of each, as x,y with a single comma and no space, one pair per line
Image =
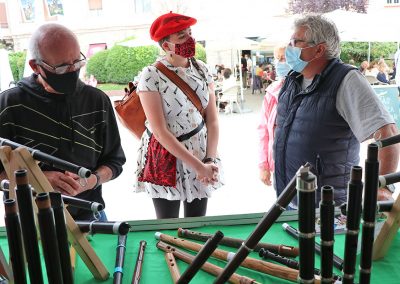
170,208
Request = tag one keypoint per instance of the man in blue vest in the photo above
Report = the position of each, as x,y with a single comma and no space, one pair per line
325,109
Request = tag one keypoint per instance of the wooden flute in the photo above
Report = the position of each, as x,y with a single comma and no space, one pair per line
252,263
14,238
327,211
354,198
95,207
208,267
306,184
29,233
62,237
262,227
283,250
107,227
137,273
171,262
370,200
119,259
49,160
48,237
201,258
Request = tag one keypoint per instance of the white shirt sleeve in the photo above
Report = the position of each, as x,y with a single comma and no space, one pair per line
358,104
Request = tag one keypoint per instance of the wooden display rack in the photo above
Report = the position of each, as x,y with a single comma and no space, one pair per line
5,269
388,232
20,158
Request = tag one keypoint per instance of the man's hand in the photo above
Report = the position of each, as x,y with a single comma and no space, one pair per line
69,183
384,194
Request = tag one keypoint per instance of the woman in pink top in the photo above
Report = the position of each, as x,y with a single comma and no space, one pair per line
268,115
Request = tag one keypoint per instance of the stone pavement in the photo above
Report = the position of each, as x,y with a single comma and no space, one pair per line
238,148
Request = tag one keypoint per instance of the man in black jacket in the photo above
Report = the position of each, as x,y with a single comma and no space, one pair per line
56,113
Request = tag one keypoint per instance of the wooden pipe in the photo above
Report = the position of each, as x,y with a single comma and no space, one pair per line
173,268
283,250
252,263
208,267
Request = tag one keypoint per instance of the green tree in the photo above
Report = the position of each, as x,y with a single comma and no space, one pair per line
358,51
201,53
121,64
17,63
97,66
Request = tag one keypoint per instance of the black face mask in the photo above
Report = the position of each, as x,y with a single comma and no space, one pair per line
62,83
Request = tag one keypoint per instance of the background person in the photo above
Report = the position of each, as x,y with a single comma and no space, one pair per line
397,65
54,112
266,127
243,63
92,81
325,110
249,70
382,75
363,67
170,114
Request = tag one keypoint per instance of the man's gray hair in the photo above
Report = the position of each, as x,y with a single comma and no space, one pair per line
47,33
321,30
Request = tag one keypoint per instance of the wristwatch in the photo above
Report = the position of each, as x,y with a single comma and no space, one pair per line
390,187
208,159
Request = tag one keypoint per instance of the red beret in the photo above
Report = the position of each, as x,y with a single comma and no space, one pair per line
168,24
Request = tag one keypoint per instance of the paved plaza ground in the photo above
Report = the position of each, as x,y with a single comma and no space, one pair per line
238,148
243,192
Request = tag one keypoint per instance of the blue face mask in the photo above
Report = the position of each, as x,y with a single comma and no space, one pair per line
282,69
292,55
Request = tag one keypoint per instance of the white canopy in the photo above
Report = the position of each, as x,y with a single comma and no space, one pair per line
380,26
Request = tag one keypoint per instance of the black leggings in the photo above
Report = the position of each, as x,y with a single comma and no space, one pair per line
170,208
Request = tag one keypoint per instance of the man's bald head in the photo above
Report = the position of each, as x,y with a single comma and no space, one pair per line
49,37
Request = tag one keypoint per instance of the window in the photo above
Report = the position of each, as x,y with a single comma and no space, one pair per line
53,9
94,48
95,5
28,10
3,16
142,6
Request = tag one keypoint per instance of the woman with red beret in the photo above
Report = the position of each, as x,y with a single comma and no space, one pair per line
178,155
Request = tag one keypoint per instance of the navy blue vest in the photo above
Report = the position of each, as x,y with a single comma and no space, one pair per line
310,129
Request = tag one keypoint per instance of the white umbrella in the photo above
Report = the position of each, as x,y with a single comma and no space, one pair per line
358,27
6,76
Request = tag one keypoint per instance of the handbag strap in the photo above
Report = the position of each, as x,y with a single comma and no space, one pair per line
185,88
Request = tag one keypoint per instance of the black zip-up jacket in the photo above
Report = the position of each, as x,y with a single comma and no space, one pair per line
80,128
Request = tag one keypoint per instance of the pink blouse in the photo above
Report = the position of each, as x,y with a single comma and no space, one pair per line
267,125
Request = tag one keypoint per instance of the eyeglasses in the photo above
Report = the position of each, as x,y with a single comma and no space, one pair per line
64,68
294,41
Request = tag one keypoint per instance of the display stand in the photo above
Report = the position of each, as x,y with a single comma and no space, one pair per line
5,269
20,158
388,232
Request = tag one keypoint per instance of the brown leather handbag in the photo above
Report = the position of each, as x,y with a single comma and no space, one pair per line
130,110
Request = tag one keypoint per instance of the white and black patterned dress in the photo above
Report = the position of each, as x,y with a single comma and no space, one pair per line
181,117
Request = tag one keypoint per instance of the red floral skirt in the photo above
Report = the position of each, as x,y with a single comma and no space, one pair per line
160,166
